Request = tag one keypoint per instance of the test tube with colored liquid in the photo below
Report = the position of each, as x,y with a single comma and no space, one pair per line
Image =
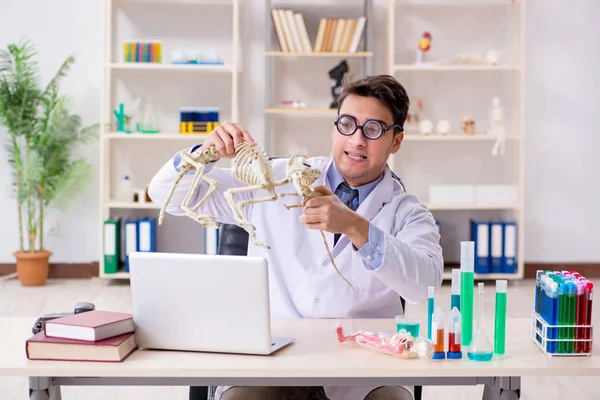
500,317
587,346
467,265
438,334
538,291
581,311
455,294
571,318
552,313
430,308
562,316
454,347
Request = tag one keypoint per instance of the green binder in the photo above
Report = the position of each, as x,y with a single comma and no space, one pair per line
112,245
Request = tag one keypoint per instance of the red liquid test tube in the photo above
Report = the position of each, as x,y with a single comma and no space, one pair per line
587,346
454,339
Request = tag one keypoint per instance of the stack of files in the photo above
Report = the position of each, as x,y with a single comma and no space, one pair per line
138,235
495,246
95,336
333,34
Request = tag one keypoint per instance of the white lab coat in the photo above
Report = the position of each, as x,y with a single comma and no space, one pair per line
302,282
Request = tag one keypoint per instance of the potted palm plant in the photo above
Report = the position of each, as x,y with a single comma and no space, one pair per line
42,134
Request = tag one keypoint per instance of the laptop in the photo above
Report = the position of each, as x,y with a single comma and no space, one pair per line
199,302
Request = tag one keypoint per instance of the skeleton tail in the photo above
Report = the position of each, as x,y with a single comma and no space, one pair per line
180,175
333,262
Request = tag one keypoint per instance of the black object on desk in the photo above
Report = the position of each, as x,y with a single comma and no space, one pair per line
81,307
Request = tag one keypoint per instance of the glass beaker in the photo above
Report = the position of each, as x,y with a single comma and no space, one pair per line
481,348
409,325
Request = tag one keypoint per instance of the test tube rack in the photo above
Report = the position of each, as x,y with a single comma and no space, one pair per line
547,338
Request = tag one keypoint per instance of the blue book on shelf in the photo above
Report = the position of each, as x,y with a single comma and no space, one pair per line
211,240
496,250
509,248
131,240
147,234
480,234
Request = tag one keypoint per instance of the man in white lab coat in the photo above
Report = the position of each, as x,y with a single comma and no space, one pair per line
383,240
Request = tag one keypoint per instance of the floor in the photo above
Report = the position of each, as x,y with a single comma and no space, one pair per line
60,295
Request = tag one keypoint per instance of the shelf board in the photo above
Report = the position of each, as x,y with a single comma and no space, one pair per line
455,2
481,277
132,205
319,54
454,67
474,207
155,136
285,110
139,66
454,137
169,2
115,275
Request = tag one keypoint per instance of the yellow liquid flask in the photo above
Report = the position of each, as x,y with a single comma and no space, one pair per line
481,348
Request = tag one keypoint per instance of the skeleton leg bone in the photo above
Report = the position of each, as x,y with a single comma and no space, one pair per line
295,205
161,214
238,208
191,212
239,213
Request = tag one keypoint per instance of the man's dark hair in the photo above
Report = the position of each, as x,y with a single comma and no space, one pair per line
383,87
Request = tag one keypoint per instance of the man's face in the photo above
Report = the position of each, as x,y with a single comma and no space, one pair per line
358,159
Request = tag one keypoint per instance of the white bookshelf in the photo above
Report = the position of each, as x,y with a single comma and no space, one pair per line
188,25
446,20
307,71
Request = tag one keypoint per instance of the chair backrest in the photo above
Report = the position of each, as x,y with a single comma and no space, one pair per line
233,240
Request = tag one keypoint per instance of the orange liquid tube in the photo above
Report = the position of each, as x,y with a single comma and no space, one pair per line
438,334
439,344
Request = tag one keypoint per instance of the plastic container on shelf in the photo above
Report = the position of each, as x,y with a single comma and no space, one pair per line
125,190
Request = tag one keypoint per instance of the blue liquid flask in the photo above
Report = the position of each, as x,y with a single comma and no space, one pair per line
481,348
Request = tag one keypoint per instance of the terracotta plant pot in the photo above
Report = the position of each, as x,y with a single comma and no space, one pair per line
32,268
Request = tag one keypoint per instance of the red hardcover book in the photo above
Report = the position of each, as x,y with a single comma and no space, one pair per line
114,349
90,326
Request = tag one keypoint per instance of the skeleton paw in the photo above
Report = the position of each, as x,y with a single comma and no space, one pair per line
251,232
206,221
261,244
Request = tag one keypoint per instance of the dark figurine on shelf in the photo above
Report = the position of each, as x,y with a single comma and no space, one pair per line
337,75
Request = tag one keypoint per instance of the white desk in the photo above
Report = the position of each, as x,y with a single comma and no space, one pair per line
316,358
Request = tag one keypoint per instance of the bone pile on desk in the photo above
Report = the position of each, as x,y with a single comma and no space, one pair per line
251,167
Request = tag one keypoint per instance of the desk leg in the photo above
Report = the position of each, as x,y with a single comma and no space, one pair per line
42,388
503,388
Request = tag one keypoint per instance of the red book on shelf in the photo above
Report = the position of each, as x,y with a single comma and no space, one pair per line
114,349
90,326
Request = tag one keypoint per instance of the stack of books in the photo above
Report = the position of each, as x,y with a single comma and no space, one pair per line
99,336
334,35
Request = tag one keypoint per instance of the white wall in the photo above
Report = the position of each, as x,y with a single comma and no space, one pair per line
560,146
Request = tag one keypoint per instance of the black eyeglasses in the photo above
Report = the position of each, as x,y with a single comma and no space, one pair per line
371,129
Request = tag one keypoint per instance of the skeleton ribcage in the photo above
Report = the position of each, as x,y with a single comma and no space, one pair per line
252,165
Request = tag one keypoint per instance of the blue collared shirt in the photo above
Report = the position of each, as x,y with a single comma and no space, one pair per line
372,251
